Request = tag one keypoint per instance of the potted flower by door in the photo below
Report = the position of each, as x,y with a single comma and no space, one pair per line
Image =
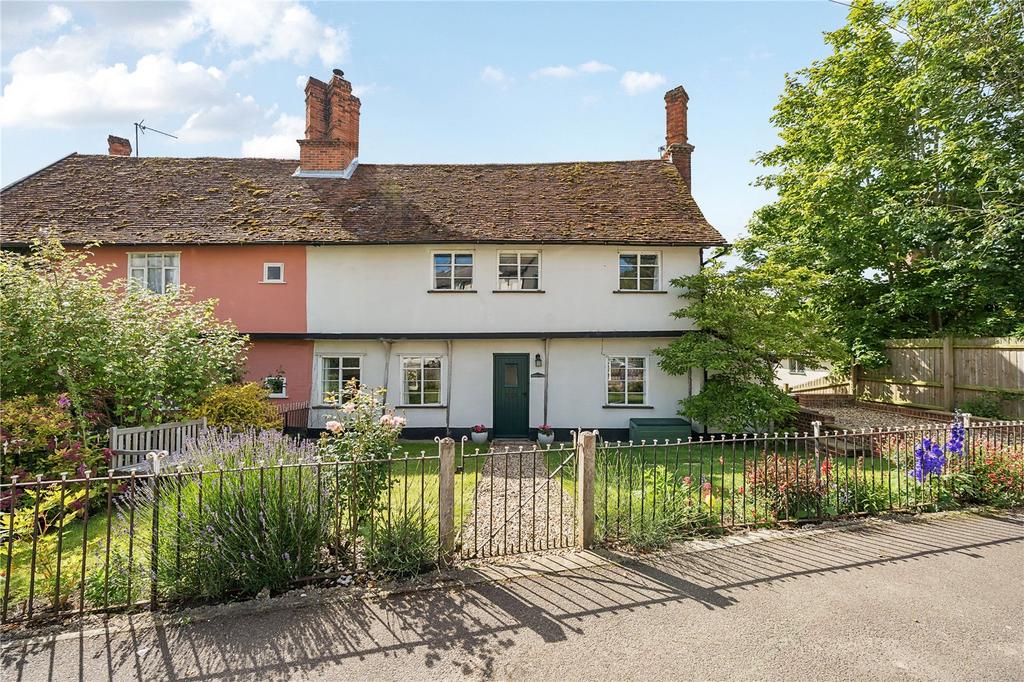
479,434
545,434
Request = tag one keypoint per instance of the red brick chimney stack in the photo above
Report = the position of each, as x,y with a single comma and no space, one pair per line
118,146
332,125
677,147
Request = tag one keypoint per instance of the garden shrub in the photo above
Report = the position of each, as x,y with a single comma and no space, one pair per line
855,491
994,475
112,348
788,487
990,406
238,407
237,532
403,547
648,507
227,532
365,432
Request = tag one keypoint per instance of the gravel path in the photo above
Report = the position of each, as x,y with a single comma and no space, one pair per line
517,508
860,418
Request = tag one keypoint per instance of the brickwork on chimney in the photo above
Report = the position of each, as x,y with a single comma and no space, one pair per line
118,146
678,149
332,126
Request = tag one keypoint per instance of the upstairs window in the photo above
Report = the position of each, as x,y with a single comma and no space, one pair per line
157,272
421,380
453,272
639,272
339,375
797,367
273,273
518,271
627,380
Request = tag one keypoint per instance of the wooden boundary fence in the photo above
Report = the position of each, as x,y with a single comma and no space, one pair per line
938,374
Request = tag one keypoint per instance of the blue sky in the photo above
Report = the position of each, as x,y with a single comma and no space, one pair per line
440,82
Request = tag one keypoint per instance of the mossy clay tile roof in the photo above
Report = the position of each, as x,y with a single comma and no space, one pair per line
125,200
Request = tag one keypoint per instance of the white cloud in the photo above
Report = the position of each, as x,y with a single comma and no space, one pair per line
560,71
223,119
492,75
272,31
637,82
280,143
594,66
68,85
22,20
365,89
563,71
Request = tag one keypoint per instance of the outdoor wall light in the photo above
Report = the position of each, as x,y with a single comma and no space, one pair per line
538,361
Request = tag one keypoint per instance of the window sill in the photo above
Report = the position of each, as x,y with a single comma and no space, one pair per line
272,281
451,291
419,407
277,396
637,291
518,291
628,407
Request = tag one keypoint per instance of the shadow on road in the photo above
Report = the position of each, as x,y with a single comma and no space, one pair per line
472,628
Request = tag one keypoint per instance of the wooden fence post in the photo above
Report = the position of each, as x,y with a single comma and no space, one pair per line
854,379
446,500
585,451
948,373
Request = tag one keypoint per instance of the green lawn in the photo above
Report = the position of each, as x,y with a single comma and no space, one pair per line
46,562
416,480
639,484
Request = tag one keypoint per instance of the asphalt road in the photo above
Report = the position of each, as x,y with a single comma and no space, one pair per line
935,600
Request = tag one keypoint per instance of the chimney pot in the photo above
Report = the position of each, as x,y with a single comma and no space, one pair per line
118,146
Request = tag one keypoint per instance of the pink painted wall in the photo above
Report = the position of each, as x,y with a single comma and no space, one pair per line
232,275
294,356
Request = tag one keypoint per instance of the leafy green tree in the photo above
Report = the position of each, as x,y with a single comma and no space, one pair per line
747,321
112,348
900,175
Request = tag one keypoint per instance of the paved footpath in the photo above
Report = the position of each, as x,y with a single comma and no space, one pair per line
934,599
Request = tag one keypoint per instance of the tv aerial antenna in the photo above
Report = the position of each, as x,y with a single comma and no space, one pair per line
141,125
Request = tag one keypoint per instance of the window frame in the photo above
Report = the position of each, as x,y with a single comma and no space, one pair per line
625,380
452,253
442,379
163,269
519,253
284,387
639,254
266,279
321,375
797,367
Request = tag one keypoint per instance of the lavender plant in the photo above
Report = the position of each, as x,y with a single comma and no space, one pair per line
254,516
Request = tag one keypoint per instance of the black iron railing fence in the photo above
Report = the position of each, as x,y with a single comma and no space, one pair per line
84,544
645,492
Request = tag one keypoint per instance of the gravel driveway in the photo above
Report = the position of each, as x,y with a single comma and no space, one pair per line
861,418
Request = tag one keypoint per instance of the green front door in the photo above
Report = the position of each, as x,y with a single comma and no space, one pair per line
511,395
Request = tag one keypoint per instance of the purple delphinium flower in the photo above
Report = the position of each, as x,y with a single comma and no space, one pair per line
928,459
956,437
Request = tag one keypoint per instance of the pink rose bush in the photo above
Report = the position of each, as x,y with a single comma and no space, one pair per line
364,432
